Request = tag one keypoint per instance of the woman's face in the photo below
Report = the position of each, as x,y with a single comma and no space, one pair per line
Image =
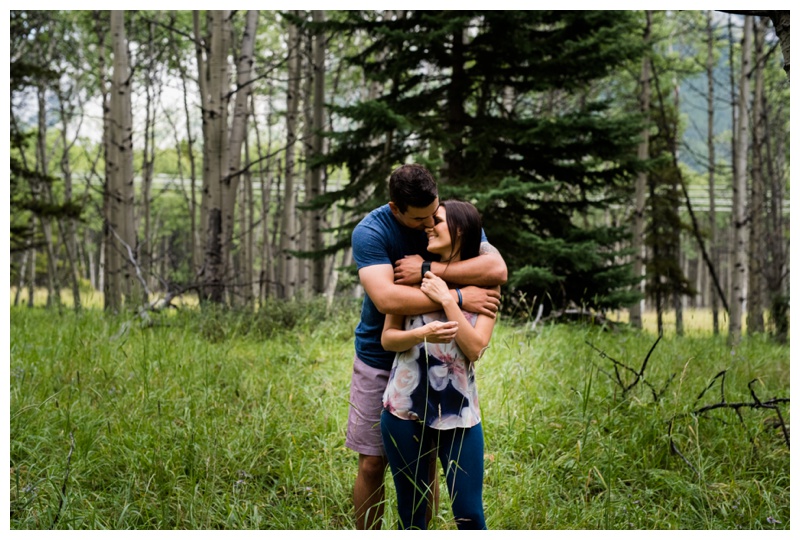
439,241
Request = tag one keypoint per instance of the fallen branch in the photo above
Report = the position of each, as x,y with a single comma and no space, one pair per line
638,375
772,404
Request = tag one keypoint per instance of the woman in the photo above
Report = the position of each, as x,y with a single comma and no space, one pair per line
431,402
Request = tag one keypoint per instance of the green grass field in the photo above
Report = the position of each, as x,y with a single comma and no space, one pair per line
237,421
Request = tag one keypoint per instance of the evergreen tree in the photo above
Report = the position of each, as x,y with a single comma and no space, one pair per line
509,110
26,72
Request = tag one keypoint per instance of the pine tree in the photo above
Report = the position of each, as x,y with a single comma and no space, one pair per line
508,109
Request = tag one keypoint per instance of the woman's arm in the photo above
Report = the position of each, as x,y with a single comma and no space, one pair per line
471,340
395,338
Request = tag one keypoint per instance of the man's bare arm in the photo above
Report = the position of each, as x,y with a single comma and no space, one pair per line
488,269
390,297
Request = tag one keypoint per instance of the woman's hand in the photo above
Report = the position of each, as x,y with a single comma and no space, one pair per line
440,332
435,288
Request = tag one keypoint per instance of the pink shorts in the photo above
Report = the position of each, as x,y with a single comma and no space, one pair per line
366,404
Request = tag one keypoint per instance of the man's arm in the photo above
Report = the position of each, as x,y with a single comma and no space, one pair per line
390,297
488,269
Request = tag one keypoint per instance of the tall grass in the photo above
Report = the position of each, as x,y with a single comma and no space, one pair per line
236,421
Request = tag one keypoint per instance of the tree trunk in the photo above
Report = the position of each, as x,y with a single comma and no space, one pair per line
32,269
246,228
780,20
23,266
267,273
288,267
41,191
739,277
456,97
91,268
776,234
120,163
712,213
641,185
238,130
215,114
110,259
304,264
757,253
202,85
317,240
69,236
677,293
193,231
148,158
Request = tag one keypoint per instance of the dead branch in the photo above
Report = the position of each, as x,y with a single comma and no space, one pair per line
638,376
771,404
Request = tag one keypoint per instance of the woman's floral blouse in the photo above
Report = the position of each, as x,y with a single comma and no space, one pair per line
433,382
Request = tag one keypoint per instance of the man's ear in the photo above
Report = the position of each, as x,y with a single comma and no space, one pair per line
394,209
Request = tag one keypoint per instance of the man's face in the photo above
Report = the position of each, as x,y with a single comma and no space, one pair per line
416,218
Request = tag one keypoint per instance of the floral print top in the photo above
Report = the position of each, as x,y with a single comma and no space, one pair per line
433,382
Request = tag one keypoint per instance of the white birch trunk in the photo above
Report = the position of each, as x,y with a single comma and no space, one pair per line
238,131
712,214
288,267
739,274
215,123
122,140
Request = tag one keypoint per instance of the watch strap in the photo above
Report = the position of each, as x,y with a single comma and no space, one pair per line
426,266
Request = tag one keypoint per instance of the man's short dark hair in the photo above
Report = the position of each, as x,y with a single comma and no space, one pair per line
412,185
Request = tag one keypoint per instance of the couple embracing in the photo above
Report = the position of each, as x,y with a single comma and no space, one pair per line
432,292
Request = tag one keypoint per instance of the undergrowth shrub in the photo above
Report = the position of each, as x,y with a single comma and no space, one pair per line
220,323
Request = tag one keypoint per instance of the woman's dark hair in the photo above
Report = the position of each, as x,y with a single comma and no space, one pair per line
463,221
412,185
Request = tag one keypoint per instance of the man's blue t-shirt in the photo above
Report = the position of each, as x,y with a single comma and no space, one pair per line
380,239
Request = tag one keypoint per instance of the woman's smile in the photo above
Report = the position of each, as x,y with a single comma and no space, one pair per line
439,235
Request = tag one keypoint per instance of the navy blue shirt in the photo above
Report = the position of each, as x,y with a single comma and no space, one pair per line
380,239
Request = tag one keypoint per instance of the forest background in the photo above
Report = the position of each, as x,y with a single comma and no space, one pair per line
630,166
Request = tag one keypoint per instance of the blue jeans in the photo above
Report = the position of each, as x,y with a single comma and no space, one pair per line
409,445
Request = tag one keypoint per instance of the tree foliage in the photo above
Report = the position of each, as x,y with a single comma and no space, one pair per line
509,110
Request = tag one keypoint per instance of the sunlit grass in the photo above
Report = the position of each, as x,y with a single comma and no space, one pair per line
695,320
90,298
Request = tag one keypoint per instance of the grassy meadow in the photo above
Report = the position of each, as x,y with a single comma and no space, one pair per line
237,421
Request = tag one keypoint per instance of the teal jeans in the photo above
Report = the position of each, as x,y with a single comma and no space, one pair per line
409,445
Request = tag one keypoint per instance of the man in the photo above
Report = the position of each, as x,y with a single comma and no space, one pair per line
394,233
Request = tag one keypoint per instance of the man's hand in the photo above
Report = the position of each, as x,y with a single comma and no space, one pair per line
408,270
481,301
